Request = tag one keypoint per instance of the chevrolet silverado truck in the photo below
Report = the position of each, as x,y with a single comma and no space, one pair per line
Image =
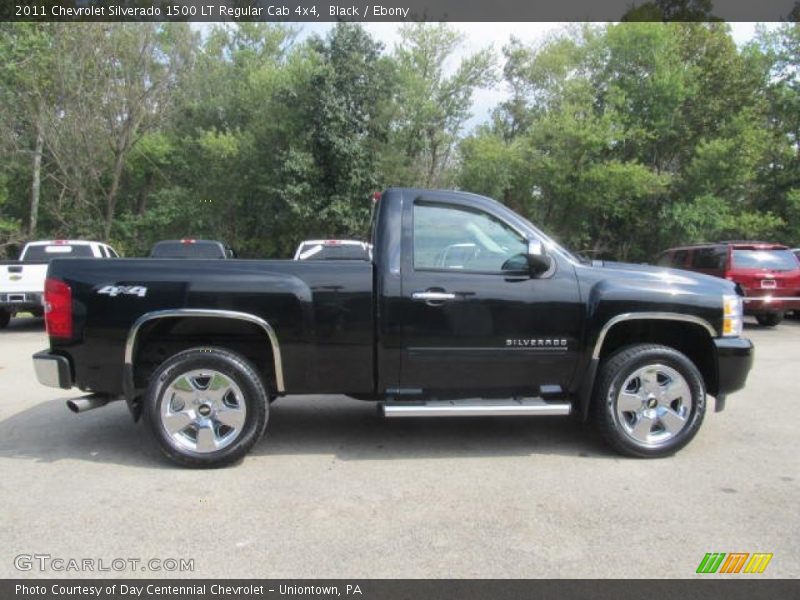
466,309
22,281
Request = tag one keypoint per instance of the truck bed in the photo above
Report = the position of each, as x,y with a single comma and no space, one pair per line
322,313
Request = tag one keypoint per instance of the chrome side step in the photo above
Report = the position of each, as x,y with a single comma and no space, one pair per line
475,408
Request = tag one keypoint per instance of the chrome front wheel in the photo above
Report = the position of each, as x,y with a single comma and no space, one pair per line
653,404
649,400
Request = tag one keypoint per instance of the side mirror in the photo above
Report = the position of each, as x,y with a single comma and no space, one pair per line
533,263
538,261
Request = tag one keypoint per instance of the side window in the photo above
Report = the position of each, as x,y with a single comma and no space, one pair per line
720,257
679,258
711,259
700,258
456,238
112,253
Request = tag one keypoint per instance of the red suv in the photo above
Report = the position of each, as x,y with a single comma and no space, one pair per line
768,274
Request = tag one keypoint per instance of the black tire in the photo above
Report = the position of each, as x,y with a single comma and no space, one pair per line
769,319
5,318
616,370
231,365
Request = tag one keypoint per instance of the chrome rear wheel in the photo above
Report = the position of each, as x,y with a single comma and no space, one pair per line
203,410
206,407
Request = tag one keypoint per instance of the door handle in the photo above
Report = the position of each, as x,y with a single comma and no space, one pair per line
433,296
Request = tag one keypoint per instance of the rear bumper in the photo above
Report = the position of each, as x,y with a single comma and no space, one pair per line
52,370
734,360
759,305
20,301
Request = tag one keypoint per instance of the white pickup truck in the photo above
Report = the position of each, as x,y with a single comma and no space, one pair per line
22,281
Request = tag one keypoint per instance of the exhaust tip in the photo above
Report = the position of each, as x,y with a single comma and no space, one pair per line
80,405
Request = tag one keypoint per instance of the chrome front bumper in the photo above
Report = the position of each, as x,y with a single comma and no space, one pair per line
52,370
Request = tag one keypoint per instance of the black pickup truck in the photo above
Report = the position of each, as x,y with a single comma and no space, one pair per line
466,309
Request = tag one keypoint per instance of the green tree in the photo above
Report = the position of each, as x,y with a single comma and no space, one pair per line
114,84
27,99
431,105
329,180
614,128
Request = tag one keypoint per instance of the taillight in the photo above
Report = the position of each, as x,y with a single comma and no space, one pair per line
57,308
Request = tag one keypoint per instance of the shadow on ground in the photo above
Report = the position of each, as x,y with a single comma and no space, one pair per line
23,324
330,425
325,425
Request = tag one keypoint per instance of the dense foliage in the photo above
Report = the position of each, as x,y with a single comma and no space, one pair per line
620,139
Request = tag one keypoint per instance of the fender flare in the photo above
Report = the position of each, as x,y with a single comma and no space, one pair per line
130,343
587,385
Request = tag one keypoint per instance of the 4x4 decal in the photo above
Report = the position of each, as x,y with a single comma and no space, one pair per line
130,290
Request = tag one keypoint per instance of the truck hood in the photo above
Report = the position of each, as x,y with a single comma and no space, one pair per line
665,275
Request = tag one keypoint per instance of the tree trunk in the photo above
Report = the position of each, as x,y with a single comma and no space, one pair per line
432,165
141,204
111,198
36,183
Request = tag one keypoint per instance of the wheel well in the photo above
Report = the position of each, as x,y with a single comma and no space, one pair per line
159,339
687,338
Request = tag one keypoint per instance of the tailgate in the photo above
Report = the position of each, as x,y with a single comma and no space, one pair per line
22,277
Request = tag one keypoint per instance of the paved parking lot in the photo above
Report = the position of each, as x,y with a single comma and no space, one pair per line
335,491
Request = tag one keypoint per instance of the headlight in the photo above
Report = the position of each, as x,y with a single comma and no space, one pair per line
732,315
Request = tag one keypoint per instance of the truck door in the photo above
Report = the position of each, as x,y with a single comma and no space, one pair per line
472,325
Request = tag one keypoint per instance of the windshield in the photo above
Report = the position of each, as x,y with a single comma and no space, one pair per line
772,260
48,252
187,250
552,244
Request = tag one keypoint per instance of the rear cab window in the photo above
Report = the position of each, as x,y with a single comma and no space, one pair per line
46,252
195,249
333,251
